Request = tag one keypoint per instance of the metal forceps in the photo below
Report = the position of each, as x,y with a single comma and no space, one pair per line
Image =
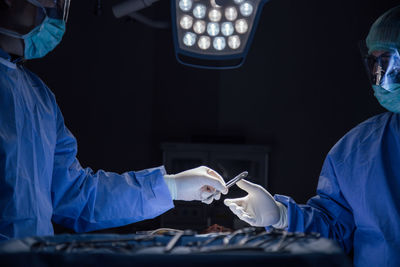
229,184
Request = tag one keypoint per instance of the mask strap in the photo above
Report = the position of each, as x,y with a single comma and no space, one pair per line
66,10
11,33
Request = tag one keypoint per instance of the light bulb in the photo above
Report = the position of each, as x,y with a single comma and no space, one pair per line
246,9
199,11
199,27
231,13
213,28
185,5
186,22
219,43
214,15
189,39
204,42
234,42
241,26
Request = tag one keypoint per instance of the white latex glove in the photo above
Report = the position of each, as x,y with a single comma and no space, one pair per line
196,184
258,208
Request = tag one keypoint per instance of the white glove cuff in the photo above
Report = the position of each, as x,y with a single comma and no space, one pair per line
283,217
170,181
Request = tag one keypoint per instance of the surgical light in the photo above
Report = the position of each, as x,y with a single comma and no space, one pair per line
223,30
214,34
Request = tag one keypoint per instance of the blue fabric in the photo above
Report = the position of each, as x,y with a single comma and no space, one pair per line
41,178
389,99
42,40
385,32
358,194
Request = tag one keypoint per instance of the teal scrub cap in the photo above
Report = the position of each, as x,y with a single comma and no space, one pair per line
385,32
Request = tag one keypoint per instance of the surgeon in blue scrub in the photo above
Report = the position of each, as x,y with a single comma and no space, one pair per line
41,179
358,194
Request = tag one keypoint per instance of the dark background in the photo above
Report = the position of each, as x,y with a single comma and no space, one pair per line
301,89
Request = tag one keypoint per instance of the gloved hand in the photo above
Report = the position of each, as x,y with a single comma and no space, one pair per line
258,208
196,184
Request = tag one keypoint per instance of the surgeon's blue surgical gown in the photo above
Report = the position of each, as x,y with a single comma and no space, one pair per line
358,194
41,179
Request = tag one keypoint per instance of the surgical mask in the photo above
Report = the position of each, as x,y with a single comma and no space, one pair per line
44,38
48,34
389,99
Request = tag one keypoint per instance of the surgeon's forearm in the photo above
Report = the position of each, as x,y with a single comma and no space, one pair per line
329,220
107,199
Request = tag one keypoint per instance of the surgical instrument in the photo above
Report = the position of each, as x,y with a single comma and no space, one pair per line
229,184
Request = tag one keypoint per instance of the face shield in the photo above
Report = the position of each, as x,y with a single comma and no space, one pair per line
54,9
383,69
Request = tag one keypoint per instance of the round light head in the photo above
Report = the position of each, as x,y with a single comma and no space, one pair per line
199,11
214,15
213,28
204,42
234,42
219,43
246,9
186,22
185,5
238,1
189,39
199,27
227,28
241,26
231,13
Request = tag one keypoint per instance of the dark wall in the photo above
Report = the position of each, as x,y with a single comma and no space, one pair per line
301,89
303,86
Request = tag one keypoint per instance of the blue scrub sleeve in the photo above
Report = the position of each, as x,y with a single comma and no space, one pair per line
328,213
84,200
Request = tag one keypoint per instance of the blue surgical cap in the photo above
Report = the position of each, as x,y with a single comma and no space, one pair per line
385,32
